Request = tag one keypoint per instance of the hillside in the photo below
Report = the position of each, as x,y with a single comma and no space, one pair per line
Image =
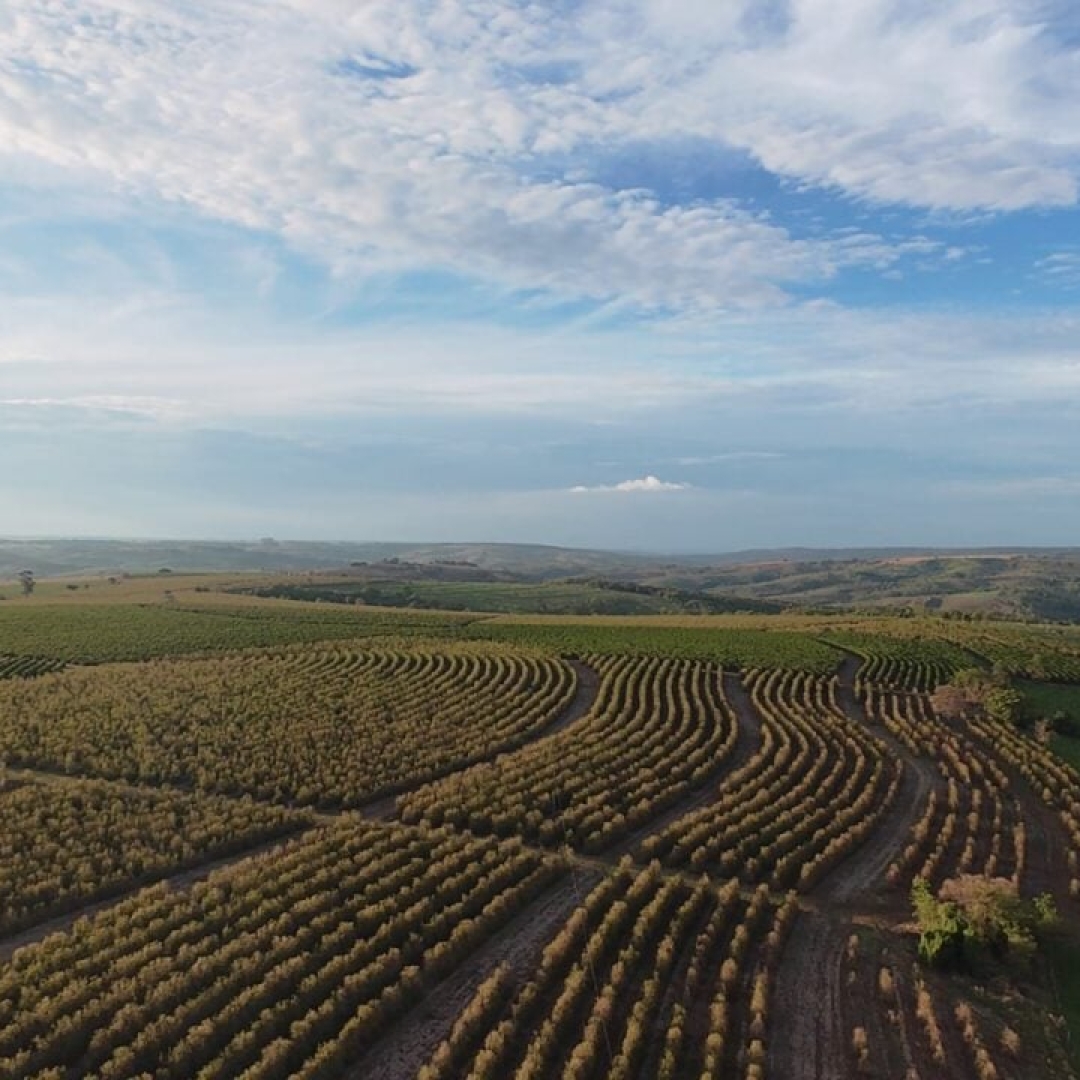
1039,584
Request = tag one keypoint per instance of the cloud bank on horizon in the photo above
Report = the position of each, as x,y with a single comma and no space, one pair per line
429,266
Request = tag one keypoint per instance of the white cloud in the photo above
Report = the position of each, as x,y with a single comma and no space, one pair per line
182,364
647,484
392,136
957,106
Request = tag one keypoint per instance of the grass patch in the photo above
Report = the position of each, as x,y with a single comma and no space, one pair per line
1067,747
1065,960
1047,698
1044,699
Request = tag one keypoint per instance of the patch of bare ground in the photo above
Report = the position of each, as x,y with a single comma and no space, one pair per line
808,1038
409,1043
176,882
384,807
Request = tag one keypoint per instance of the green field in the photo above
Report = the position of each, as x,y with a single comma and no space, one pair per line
568,597
1065,957
94,633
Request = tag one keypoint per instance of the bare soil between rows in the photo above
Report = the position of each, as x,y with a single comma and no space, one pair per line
809,1038
400,1053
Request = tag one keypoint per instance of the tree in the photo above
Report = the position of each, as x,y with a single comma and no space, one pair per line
1002,703
973,912
942,926
26,580
976,692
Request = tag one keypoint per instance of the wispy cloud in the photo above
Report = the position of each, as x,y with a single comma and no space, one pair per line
1022,487
642,485
729,456
384,137
1061,269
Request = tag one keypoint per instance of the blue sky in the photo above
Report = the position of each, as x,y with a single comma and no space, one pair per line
631,273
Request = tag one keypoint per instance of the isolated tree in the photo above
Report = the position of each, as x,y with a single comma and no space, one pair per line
976,692
975,910
26,580
1002,703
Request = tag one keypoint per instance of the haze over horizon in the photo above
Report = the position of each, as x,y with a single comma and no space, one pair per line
628,274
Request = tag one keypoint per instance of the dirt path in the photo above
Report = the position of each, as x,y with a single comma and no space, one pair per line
809,1036
588,685
862,873
400,1053
747,718
176,882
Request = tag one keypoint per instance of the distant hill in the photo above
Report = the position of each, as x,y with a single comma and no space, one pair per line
1043,586
1028,583
53,556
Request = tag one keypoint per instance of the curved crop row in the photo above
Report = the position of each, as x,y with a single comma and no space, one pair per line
809,796
28,667
65,845
1054,782
970,822
311,724
1029,652
658,728
679,638
288,965
916,664
639,982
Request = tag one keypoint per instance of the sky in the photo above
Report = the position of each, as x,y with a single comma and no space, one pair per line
667,275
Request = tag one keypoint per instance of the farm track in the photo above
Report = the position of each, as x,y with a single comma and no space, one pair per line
863,871
812,1043
809,986
384,808
406,1046
176,882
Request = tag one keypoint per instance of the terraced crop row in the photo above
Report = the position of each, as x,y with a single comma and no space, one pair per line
658,728
285,966
810,795
65,845
311,724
